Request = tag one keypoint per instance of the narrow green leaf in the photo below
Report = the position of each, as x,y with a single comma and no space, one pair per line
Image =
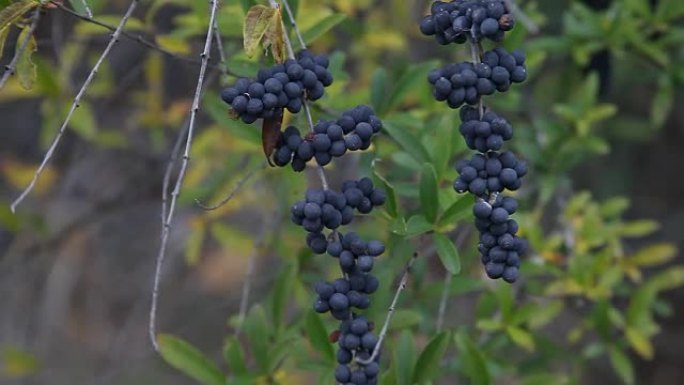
3,38
545,379
417,225
639,228
235,358
458,210
621,365
431,358
407,141
258,333
521,337
258,19
282,291
663,100
318,335
391,202
447,252
408,82
429,199
404,358
187,359
405,318
378,90
474,362
323,26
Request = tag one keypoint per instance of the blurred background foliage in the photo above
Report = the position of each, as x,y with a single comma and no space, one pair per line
596,120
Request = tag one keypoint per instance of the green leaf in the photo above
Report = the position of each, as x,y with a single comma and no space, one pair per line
257,331
545,379
521,337
640,343
621,365
447,252
15,11
474,362
235,358
321,27
407,84
282,292
3,37
458,210
639,228
378,90
404,358
417,225
259,18
187,359
26,68
318,335
662,101
654,255
391,202
407,141
405,318
429,360
429,199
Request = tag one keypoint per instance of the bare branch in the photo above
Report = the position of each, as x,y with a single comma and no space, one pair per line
9,69
390,312
307,111
139,39
75,104
181,174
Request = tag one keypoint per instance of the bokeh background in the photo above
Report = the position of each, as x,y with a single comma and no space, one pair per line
601,113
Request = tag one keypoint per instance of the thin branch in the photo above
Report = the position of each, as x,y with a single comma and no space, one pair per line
87,9
222,53
75,104
293,22
307,111
519,14
181,174
390,311
137,38
9,69
460,238
234,191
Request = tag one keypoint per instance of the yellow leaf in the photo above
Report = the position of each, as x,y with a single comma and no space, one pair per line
640,343
275,38
173,44
18,175
654,255
567,287
259,18
521,337
18,363
13,12
26,69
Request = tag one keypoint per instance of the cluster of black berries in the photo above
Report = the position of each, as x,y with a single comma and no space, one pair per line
490,171
500,248
455,21
356,339
484,134
331,139
466,82
281,86
486,174
331,209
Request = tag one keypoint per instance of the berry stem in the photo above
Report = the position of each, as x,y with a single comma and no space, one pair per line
181,174
390,311
9,69
290,53
476,53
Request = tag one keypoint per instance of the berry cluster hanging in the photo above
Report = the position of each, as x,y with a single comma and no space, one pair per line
490,171
323,211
